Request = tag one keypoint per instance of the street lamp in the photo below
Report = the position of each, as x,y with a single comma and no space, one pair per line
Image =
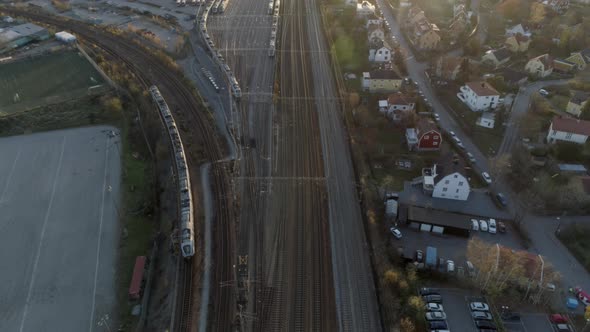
558,225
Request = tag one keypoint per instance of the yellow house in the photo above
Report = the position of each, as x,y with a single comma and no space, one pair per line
581,58
517,43
381,80
577,103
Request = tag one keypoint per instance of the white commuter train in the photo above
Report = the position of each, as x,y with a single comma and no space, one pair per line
185,204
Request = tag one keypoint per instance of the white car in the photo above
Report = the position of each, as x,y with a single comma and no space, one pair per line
471,157
492,226
452,133
487,178
483,225
436,315
433,307
543,92
436,117
474,225
479,306
396,232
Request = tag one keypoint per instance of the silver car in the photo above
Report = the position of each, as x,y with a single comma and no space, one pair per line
436,315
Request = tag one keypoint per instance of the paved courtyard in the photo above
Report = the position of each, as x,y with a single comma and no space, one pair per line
58,229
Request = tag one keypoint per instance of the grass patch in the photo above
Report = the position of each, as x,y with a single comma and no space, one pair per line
575,238
45,79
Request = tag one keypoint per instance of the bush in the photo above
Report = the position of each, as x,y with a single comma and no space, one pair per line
568,152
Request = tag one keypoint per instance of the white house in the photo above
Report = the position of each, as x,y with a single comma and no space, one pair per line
452,186
382,54
486,120
479,96
397,105
568,130
541,66
374,20
365,9
518,29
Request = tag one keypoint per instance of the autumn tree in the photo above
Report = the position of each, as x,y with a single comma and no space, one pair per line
406,325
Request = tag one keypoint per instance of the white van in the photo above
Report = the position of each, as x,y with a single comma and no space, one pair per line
474,225
492,226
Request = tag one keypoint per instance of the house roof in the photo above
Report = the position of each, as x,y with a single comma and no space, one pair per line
545,59
580,97
438,217
425,125
400,99
411,134
521,38
415,10
384,74
501,54
569,125
27,29
482,88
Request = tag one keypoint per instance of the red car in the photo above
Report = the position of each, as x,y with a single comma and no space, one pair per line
557,319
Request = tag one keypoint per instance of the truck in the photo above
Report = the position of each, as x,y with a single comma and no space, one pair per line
431,257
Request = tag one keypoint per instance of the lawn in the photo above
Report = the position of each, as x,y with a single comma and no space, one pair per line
45,79
575,238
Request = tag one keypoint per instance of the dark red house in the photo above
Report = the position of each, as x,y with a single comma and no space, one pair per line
429,137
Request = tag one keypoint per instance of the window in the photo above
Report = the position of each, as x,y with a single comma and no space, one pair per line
379,52
553,133
447,182
435,143
445,189
460,183
426,136
457,191
456,176
568,136
435,137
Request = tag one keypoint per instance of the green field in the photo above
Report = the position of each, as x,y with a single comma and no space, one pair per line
46,79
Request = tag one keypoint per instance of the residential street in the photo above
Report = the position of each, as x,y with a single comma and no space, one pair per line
540,228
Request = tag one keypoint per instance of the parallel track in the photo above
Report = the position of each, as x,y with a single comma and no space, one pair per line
185,106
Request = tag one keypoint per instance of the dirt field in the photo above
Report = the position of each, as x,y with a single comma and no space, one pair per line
59,196
45,79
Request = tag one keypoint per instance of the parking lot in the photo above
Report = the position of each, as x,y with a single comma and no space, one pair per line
530,323
58,195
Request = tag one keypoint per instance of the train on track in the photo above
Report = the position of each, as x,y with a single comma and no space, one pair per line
185,201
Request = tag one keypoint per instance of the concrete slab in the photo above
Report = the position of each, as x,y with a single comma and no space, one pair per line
59,192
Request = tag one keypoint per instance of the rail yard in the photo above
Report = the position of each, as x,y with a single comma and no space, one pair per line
290,252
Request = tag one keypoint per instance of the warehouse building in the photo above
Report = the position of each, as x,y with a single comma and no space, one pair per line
435,221
20,35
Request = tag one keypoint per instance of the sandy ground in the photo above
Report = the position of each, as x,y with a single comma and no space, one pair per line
59,193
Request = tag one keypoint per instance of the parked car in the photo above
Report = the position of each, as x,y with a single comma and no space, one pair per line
450,266
419,256
424,291
452,133
396,232
501,227
543,92
484,324
558,319
482,315
501,199
474,225
486,177
471,157
438,325
470,269
510,316
433,307
434,298
563,328
492,226
479,306
436,117
435,315
483,225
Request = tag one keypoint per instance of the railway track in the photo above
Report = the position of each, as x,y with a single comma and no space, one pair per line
196,131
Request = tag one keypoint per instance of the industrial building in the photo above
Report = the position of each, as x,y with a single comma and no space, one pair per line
20,35
436,221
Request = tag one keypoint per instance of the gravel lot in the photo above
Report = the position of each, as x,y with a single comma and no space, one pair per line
58,194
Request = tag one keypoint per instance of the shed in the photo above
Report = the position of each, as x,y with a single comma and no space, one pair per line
436,221
65,37
573,168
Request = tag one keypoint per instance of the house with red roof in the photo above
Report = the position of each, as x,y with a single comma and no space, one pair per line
568,130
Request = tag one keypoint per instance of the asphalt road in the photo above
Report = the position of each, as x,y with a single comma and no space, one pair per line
58,195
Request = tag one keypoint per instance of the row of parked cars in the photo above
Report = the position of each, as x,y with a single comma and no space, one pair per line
488,226
435,316
482,318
